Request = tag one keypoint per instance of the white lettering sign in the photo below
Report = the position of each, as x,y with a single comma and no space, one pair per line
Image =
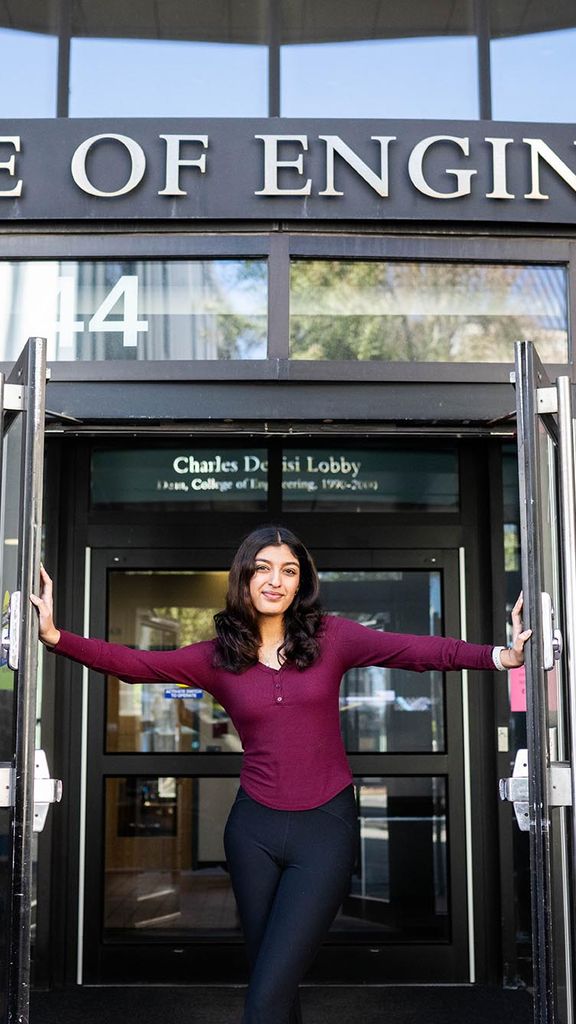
499,183
174,162
334,145
540,151
272,165
137,168
10,166
299,165
415,168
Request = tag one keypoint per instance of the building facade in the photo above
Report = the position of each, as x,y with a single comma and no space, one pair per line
281,252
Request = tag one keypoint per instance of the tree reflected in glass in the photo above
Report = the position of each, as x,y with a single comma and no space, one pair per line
445,312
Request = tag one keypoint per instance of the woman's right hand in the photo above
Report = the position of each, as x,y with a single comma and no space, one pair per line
44,605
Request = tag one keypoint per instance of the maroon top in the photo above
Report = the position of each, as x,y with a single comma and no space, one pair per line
288,720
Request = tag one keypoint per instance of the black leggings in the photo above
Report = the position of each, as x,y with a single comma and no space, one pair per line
290,872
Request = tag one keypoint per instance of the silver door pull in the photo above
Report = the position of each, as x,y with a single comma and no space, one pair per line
46,790
552,643
515,790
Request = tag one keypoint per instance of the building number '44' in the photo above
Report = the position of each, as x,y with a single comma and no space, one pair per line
125,291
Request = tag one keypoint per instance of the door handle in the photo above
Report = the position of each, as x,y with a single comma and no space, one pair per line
515,789
552,643
46,790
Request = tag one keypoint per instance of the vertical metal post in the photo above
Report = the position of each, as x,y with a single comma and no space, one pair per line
568,526
529,376
31,372
274,15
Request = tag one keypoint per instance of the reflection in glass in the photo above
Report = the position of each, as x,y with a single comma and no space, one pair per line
28,71
520,879
378,60
160,611
446,312
165,867
550,532
179,309
382,709
167,78
365,479
173,878
12,442
389,710
174,59
401,885
528,37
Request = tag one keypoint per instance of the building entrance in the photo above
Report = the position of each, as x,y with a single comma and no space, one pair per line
158,771
162,772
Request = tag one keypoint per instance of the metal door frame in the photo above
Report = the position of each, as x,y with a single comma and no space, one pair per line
23,395
539,402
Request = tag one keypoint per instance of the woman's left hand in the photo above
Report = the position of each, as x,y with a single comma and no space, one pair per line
513,657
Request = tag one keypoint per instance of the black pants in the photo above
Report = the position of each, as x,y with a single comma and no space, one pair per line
290,872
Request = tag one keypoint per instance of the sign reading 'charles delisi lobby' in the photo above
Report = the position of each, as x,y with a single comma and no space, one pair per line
239,476
299,169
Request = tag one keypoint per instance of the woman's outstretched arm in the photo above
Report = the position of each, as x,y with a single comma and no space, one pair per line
361,646
188,665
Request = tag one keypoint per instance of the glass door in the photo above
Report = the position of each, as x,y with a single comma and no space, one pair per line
162,770
542,790
22,452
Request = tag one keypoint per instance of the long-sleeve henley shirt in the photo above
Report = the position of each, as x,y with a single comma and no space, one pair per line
288,720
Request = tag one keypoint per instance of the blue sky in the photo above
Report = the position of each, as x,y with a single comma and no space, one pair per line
534,78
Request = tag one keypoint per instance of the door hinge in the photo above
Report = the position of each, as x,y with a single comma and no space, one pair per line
46,790
546,400
14,397
559,784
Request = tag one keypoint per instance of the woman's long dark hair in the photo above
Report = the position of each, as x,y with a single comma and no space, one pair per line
238,637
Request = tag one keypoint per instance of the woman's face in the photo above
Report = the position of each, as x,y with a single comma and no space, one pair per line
275,579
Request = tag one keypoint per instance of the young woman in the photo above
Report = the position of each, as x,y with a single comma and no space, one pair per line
276,664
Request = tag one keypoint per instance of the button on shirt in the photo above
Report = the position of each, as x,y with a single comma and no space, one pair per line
288,720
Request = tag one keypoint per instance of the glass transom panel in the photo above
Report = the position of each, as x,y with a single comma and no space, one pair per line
136,310
426,311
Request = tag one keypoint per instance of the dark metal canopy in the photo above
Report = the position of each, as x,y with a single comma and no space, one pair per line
299,21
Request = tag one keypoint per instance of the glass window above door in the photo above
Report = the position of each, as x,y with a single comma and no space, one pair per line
426,311
136,310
